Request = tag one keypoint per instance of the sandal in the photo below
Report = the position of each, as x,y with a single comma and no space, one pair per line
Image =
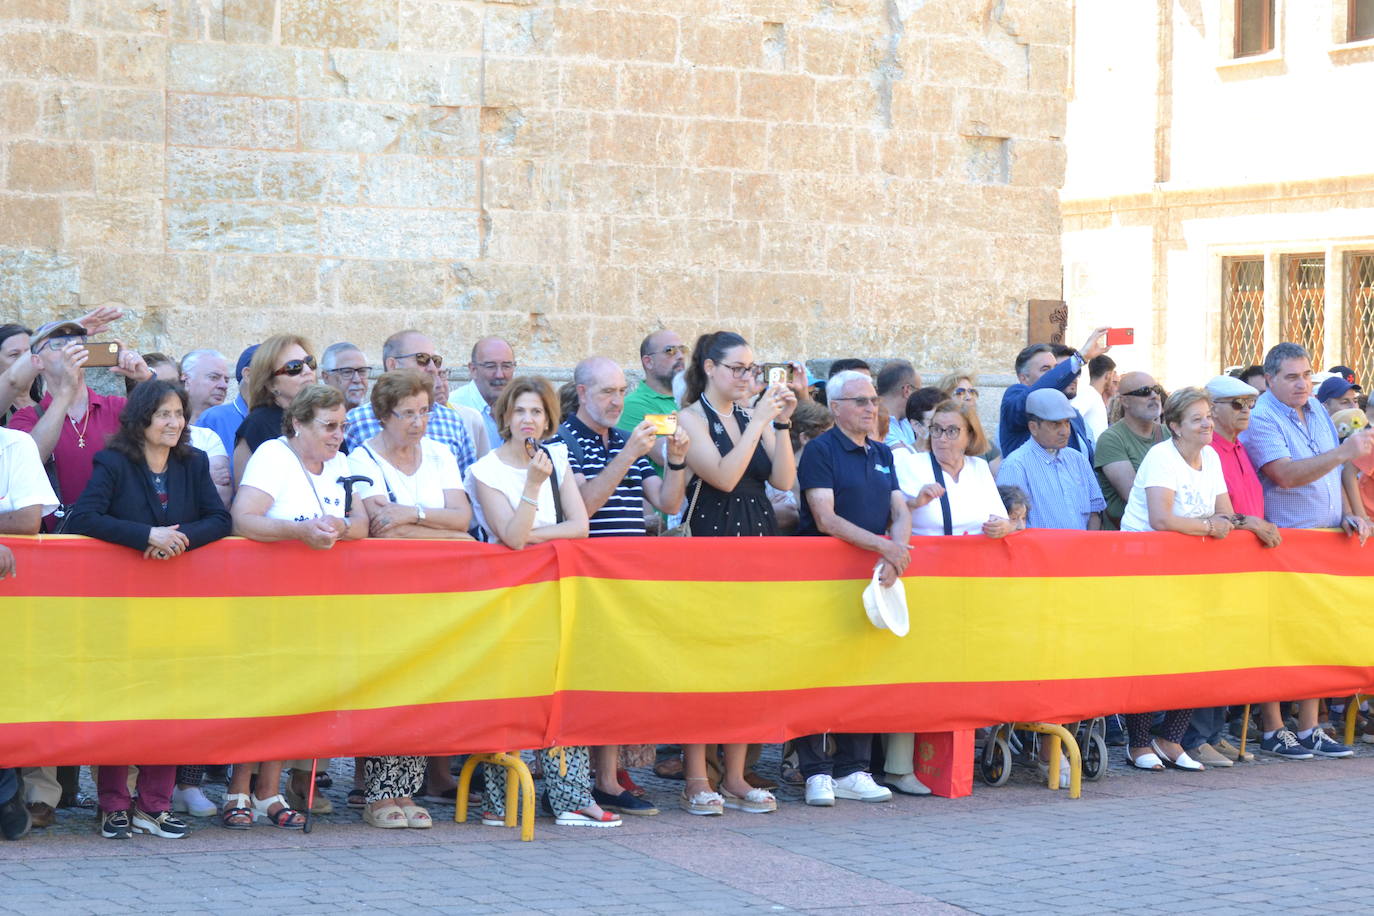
285,817
236,808
1146,761
417,817
622,776
704,803
1181,762
357,798
492,819
388,817
583,818
755,801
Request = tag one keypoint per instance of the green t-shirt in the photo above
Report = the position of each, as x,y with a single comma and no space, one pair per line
1118,443
645,400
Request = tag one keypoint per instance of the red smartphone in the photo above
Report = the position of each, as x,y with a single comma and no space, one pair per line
1120,337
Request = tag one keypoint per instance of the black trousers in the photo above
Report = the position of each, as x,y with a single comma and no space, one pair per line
852,754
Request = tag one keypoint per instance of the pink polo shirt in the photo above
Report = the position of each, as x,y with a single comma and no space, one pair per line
73,459
1242,482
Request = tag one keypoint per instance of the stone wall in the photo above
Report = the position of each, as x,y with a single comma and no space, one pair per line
830,177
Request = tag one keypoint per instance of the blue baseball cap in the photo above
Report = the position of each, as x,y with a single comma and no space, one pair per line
1334,388
245,358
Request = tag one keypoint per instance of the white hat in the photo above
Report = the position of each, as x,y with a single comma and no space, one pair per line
1228,386
886,607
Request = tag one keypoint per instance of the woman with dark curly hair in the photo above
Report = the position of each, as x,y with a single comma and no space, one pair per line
150,491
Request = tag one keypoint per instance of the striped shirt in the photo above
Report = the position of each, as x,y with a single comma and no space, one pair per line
623,513
1276,432
1062,489
444,427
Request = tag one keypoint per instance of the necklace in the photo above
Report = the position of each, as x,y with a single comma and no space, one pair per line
81,432
720,413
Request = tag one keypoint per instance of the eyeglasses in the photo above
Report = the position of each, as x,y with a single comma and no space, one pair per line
861,402
741,371
1237,404
1156,390
360,372
410,416
58,343
164,415
966,392
424,359
332,427
294,367
507,368
944,432
677,350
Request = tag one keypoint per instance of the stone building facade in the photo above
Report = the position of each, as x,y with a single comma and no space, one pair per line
1220,192
829,177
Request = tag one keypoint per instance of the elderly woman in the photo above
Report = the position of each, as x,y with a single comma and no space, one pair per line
919,408
1180,487
292,491
959,387
150,491
526,494
282,366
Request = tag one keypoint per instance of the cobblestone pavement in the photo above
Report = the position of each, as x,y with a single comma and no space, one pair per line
1272,833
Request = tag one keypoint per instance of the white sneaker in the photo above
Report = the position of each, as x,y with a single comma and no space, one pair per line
820,791
861,787
192,801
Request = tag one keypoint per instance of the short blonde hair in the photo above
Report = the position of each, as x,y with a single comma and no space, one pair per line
308,401
977,439
1179,402
526,384
949,382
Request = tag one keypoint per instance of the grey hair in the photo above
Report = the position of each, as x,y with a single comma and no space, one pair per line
1273,360
331,354
391,349
834,388
192,359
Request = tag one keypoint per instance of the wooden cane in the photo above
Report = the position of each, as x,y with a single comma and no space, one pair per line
1244,732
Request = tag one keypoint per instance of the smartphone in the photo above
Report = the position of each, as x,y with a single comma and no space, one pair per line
777,373
1120,337
102,355
665,424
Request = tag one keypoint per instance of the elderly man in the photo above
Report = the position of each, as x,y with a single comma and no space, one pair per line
344,368
1292,442
1123,446
1091,403
1063,491
896,382
1037,369
410,349
492,366
205,375
662,355
849,489
616,479
225,419
1337,394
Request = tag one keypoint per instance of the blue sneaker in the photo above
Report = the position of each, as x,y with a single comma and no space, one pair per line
1323,745
1284,743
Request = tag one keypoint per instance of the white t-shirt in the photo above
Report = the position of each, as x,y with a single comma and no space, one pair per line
498,475
208,441
1195,492
1089,403
438,471
23,482
972,498
275,470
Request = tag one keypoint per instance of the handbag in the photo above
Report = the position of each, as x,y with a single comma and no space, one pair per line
684,528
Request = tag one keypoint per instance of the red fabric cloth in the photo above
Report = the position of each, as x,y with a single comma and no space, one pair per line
1242,481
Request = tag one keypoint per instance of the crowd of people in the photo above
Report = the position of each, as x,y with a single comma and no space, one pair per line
712,443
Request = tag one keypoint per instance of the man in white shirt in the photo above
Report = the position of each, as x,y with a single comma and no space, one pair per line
492,367
1092,401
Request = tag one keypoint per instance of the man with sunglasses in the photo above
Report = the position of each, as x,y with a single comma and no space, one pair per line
662,355
492,367
1123,446
1038,368
1293,443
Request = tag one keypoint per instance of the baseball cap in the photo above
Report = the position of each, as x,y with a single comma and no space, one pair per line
55,329
1228,386
1334,388
245,358
1050,404
1344,372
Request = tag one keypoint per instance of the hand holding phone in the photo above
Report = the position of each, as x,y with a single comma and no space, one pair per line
1120,337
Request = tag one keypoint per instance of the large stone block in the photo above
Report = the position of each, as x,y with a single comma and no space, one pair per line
524,237
638,138
372,232
232,121
19,107
722,43
777,96
809,147
848,101
36,280
30,222
413,181
517,30
144,279
340,23
595,291
728,144
133,60
656,89
791,247
106,222
242,69
263,228
207,174
130,170
766,295
440,25
688,193
249,281
40,11
488,286
665,296
411,79
759,196
85,113
46,168
520,82
615,35
840,52
353,127
246,21
48,55
386,285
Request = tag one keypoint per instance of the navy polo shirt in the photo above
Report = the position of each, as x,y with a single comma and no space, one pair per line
861,476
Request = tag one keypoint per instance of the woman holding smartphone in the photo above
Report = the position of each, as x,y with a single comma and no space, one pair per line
733,453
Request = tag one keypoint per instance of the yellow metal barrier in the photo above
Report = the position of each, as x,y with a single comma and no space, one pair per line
519,787
1352,715
1059,737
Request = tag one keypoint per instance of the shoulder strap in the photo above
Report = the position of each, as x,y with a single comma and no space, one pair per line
944,497
569,438
558,515
389,495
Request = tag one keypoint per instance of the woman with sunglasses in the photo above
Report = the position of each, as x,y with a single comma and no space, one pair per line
960,388
526,494
734,453
281,367
292,490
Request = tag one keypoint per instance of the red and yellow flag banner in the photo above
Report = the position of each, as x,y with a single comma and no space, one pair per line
244,651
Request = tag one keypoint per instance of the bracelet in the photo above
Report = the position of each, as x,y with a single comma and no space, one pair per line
777,425
527,500
677,467
1208,522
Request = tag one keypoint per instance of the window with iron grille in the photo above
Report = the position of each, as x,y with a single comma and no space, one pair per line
1359,314
1303,316
1254,27
1359,19
1242,312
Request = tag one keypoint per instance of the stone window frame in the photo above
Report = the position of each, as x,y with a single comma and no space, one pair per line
1229,36
1346,47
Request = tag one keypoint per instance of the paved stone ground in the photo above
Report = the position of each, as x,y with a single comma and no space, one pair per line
1272,833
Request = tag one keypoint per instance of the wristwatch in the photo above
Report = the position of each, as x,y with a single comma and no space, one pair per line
677,467
419,513
777,425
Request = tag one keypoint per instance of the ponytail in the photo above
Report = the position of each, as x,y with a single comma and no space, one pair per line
711,346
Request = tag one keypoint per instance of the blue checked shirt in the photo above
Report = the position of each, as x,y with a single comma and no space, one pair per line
1062,488
444,427
1276,432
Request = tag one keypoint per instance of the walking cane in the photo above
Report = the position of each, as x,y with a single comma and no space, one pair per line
348,484
1244,732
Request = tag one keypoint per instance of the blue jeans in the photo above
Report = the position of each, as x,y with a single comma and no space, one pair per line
1206,727
9,784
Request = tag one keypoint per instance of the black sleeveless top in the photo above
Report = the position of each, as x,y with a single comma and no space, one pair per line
746,510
